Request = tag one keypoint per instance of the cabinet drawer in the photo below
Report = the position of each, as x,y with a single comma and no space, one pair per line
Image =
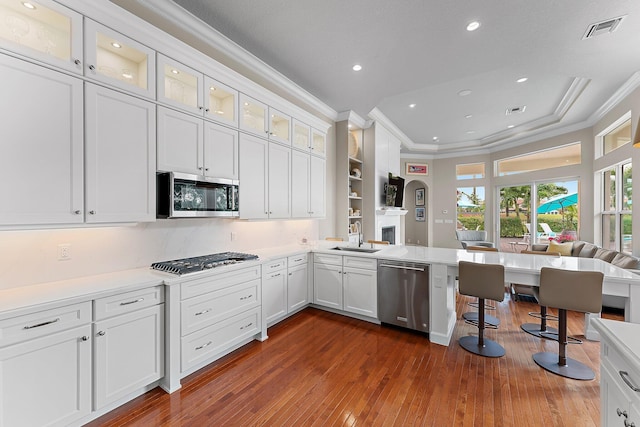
327,259
295,260
207,309
215,340
617,364
127,302
213,283
29,326
274,265
357,262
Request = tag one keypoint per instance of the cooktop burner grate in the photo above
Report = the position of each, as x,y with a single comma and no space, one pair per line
200,263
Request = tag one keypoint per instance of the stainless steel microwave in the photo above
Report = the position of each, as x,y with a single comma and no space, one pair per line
181,195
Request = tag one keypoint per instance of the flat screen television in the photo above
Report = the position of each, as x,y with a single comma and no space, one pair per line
395,191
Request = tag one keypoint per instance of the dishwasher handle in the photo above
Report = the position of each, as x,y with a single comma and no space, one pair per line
402,267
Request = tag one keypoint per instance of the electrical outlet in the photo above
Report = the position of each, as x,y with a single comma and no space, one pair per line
64,252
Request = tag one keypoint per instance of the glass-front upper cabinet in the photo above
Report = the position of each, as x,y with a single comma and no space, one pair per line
43,30
179,85
279,127
318,143
221,102
253,116
118,60
301,136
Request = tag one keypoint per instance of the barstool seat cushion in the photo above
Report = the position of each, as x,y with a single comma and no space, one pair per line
484,281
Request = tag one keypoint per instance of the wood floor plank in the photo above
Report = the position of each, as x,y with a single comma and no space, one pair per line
322,369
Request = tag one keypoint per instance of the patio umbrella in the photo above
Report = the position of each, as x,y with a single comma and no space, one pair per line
462,204
558,203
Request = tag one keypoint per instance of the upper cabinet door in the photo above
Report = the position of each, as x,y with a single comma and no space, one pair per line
180,86
220,102
301,136
253,116
41,141
43,30
220,151
318,143
118,60
120,156
279,127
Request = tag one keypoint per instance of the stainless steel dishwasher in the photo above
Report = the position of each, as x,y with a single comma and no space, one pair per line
403,294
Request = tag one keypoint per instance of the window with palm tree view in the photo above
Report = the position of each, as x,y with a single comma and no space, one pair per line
617,208
537,213
470,208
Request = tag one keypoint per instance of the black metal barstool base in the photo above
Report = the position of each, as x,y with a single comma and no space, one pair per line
489,349
534,329
573,369
472,316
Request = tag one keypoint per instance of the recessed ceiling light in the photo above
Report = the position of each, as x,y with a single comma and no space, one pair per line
510,127
349,125
464,92
473,26
28,5
357,67
522,79
471,131
435,138
412,105
174,71
116,45
468,116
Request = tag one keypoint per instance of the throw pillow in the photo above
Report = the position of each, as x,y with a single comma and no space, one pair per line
563,249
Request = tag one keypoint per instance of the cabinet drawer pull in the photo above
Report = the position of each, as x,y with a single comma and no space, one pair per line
275,275
42,324
204,345
627,380
298,260
202,312
246,326
132,302
247,297
621,412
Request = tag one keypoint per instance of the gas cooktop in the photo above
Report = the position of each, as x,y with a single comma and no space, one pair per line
200,263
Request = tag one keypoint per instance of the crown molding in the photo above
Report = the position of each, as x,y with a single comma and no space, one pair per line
353,118
625,90
204,33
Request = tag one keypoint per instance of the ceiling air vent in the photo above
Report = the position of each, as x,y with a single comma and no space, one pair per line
515,110
604,27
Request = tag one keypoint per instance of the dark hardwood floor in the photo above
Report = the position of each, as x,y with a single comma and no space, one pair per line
322,369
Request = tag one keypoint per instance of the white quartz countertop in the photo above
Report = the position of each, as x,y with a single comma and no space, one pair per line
623,336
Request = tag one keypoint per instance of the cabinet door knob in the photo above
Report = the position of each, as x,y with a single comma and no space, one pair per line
92,67
85,338
77,212
206,169
206,110
200,107
76,61
200,168
92,212
101,333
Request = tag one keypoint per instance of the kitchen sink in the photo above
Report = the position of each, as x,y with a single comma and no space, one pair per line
365,250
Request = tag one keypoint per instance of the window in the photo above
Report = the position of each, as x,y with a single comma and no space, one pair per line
470,171
617,204
616,135
470,208
546,159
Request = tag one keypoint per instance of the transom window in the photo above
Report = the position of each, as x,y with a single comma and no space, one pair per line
545,159
470,171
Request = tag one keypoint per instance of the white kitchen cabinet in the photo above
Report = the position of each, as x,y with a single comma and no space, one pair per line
120,157
187,89
259,119
346,283
318,143
308,184
297,282
191,145
617,406
41,139
128,353
274,290
217,313
117,60
265,179
301,136
47,32
46,381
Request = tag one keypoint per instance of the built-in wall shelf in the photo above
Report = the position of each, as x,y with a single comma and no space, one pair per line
355,198
355,178
354,160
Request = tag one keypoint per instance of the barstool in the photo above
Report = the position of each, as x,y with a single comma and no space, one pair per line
568,290
540,330
472,316
485,281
